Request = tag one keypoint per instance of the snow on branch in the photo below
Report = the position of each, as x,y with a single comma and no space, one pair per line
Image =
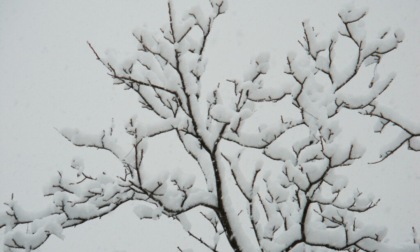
258,183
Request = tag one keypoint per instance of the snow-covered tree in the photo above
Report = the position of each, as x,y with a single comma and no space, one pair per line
267,154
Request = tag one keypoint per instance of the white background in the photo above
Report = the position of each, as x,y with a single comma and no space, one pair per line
50,79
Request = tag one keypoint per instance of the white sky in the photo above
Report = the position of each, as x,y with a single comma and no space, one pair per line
50,79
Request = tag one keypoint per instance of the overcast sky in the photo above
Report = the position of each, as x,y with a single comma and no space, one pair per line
49,79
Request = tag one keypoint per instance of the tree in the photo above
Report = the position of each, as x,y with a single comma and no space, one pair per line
272,187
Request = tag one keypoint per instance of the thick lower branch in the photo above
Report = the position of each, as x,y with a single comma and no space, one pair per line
221,213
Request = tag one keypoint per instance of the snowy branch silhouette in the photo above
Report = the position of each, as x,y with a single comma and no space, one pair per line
268,187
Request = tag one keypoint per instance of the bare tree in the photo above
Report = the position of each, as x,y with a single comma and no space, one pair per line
261,187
